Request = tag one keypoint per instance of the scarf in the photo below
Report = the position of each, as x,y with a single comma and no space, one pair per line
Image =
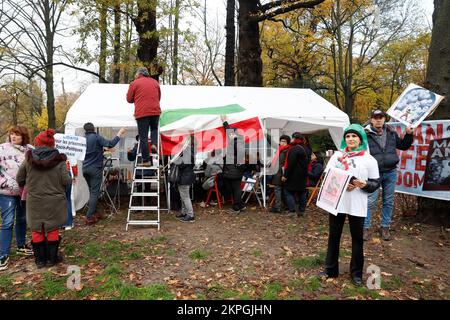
293,143
346,154
277,154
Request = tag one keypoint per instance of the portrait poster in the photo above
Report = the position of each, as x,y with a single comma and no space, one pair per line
333,186
414,105
437,172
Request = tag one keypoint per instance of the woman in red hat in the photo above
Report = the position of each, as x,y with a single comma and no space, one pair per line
45,175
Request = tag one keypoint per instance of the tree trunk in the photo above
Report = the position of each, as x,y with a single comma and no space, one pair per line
49,37
438,80
148,37
250,63
103,33
116,47
229,46
438,71
127,50
175,43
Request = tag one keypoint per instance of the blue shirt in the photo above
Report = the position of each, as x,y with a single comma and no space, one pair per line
94,149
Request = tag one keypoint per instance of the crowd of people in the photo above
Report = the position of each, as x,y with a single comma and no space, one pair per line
35,180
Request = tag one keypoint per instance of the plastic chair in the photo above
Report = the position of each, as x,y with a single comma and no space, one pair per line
214,189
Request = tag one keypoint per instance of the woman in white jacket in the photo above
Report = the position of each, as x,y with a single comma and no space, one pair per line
12,154
363,168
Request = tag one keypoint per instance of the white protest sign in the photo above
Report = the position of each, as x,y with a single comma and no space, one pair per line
333,187
74,147
414,105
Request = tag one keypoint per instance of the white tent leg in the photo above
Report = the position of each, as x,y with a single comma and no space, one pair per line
264,163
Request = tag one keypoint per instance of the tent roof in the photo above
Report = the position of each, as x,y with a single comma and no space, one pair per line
292,110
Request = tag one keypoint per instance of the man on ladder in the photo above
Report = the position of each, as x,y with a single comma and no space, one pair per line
145,93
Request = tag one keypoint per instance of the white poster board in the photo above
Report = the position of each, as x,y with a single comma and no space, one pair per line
333,187
74,147
414,105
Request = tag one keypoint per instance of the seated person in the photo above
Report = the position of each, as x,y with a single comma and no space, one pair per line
315,169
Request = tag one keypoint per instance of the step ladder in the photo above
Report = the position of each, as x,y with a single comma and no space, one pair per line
143,181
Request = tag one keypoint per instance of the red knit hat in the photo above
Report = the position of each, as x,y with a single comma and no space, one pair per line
45,139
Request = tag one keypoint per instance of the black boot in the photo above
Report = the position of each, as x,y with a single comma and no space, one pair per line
40,253
52,253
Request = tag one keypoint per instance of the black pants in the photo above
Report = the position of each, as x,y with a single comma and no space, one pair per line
334,239
234,188
144,124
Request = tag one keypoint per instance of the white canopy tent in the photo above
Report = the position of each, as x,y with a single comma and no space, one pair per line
289,110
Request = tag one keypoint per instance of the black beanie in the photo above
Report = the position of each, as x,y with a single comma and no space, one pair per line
355,132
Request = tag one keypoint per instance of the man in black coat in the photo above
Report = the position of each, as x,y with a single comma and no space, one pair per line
295,173
234,165
383,145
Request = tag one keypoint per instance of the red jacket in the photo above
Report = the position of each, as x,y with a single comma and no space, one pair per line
145,93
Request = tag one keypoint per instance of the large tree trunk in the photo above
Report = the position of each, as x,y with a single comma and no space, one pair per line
175,43
438,71
148,36
103,33
438,80
229,46
49,35
249,55
116,47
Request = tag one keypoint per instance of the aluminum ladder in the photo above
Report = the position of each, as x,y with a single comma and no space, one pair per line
144,180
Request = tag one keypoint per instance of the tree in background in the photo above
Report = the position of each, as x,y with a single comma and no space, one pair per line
438,80
251,13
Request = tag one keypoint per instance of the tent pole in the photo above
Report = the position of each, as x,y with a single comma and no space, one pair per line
265,162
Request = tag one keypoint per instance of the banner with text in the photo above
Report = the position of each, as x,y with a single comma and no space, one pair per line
424,169
74,147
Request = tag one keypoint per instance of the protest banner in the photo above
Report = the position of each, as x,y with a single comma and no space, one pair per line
74,147
333,186
423,167
414,105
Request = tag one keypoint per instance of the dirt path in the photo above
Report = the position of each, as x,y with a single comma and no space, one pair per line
253,255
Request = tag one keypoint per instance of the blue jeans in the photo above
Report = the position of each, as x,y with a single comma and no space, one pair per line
388,181
290,200
69,205
93,178
12,206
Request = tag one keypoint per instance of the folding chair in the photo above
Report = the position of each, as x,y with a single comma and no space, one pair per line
314,189
252,186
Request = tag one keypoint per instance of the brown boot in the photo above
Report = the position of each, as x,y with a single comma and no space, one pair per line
385,234
366,234
100,215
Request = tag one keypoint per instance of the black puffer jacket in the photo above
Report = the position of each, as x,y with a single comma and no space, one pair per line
387,157
297,168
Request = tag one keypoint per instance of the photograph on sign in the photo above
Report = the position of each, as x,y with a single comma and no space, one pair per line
437,173
333,186
414,105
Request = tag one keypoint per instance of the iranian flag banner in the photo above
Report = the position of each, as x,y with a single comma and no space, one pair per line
206,126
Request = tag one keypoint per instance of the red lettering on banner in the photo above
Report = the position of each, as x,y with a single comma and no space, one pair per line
408,180
399,178
404,156
421,158
418,180
431,134
418,134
